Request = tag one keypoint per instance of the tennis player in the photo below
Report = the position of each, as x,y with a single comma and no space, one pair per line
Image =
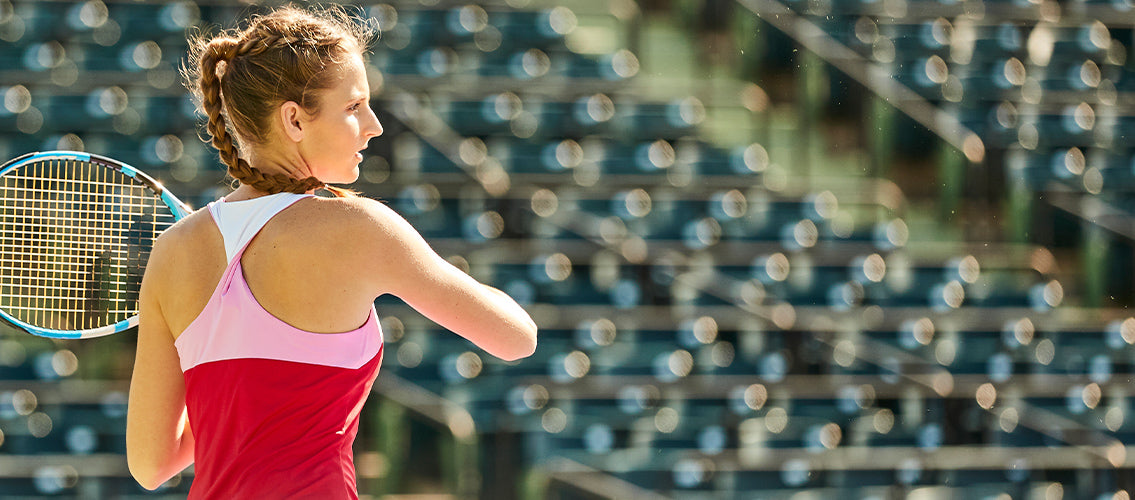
258,340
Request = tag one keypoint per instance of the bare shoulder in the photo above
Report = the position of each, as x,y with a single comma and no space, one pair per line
184,232
373,243
363,217
187,241
354,208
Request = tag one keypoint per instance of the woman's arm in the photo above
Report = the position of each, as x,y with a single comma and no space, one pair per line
401,263
159,441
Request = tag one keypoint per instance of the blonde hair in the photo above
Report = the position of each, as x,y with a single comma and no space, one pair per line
242,77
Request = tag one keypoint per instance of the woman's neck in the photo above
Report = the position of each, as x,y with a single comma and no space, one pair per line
246,192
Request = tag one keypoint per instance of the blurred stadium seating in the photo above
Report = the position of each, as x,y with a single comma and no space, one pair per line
735,299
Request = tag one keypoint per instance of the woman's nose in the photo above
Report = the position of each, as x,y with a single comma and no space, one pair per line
375,129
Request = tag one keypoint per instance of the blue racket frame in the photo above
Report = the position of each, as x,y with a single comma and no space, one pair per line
179,209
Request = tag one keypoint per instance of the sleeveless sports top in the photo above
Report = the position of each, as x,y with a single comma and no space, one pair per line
274,409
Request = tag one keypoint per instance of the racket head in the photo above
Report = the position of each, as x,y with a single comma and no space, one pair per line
75,232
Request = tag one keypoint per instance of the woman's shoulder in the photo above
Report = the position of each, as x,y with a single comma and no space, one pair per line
184,233
358,225
190,243
348,206
357,213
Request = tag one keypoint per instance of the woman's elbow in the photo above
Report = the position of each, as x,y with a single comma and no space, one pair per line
149,484
525,346
147,475
148,467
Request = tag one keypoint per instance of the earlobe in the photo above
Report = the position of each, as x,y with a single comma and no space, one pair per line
291,117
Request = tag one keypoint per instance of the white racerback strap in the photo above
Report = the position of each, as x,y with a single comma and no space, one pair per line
239,221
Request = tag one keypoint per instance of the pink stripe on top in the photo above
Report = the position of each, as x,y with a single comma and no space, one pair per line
233,308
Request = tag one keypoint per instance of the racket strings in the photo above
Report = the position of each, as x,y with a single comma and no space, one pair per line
74,239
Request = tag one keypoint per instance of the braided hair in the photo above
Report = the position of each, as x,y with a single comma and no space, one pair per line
242,77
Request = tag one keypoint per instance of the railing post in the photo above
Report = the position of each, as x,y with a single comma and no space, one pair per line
459,466
393,442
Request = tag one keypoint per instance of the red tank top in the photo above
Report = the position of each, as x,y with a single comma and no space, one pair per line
274,409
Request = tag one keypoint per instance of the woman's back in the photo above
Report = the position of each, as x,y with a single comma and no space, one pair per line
299,267
274,407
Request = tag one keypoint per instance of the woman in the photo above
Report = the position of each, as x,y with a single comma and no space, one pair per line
251,360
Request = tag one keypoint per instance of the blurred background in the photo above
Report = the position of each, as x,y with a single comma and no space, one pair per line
777,249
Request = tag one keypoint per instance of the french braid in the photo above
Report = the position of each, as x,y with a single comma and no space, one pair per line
241,77
227,49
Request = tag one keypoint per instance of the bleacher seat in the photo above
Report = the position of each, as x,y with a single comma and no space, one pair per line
431,62
545,28
670,121
162,22
519,64
490,115
27,22
580,117
613,67
995,80
984,43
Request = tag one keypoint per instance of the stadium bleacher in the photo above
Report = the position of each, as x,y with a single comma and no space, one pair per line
728,308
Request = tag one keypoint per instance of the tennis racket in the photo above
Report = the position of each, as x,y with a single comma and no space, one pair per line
76,231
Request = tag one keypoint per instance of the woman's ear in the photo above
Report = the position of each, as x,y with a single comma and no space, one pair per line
292,118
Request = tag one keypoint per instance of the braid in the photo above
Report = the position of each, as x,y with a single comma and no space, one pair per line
227,49
280,57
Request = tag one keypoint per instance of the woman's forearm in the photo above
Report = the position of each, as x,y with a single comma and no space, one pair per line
153,463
